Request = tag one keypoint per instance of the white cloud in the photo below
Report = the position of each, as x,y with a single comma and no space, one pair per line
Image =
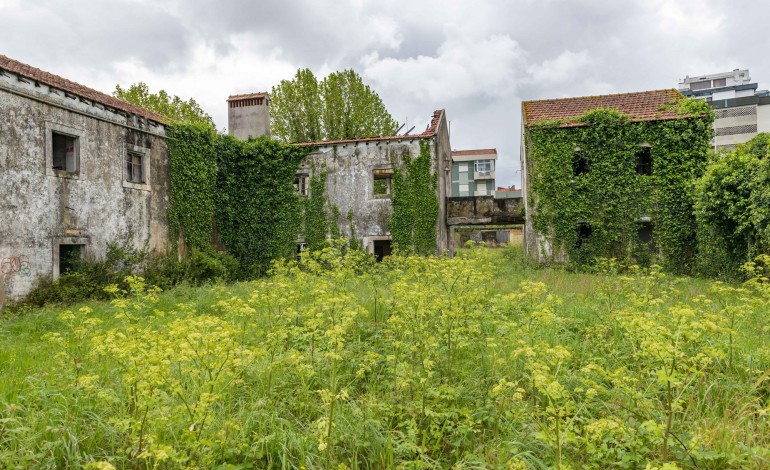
567,66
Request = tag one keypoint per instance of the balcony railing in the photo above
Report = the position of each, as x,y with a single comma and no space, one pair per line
484,175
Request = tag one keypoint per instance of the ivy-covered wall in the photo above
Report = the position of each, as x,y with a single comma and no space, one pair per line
587,198
244,189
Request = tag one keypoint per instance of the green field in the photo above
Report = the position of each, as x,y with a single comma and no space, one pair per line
480,361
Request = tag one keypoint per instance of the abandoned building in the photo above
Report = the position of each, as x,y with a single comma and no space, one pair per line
607,176
359,180
80,169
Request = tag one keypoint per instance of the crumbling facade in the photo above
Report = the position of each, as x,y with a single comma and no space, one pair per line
79,169
359,180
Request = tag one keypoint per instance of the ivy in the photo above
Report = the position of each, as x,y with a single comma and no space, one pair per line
245,188
415,205
315,220
193,184
590,199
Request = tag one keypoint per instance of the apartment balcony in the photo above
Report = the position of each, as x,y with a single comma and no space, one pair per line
484,175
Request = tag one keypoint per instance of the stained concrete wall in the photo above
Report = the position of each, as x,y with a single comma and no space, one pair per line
43,208
350,181
249,121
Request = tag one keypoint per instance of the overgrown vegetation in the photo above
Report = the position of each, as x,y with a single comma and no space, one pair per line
174,107
593,188
419,362
415,204
243,188
733,208
340,106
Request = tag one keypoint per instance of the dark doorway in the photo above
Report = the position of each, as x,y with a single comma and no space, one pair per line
70,258
645,235
382,249
584,232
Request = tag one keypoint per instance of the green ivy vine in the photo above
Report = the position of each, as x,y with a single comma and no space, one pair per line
315,219
415,205
244,188
591,201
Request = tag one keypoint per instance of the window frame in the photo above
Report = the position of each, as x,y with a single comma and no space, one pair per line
385,174
52,128
144,152
644,168
489,163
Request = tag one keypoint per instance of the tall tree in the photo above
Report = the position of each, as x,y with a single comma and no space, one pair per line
161,102
341,106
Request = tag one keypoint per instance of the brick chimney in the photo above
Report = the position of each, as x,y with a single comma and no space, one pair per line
248,115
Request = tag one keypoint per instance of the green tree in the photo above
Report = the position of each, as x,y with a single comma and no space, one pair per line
340,106
174,107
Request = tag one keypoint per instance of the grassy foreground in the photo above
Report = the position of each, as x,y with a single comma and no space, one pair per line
474,362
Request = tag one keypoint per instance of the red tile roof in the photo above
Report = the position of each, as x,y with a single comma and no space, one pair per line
430,131
55,81
261,94
641,106
461,153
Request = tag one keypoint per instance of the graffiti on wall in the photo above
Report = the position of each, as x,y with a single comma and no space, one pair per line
16,265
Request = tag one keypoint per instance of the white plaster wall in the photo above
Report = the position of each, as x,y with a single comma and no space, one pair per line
763,118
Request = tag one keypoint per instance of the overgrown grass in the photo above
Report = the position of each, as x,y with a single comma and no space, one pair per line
481,361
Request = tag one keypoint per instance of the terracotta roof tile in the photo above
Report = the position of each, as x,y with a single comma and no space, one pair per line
641,106
261,94
55,81
430,131
461,153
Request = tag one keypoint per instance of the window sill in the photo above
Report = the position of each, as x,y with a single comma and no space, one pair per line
139,186
72,175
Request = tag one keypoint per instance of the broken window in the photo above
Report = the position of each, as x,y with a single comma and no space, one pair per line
382,248
645,234
65,152
383,182
134,167
644,160
70,258
301,184
579,163
584,232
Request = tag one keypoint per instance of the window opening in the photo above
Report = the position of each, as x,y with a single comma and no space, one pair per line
383,182
644,160
579,163
134,167
70,258
301,184
645,235
584,232
382,248
65,152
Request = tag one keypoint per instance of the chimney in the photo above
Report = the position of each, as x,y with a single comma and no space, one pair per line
248,115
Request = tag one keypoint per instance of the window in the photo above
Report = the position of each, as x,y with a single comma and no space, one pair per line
481,189
579,163
134,167
301,184
645,234
703,85
584,232
64,151
382,182
719,82
463,189
70,258
462,167
483,167
644,160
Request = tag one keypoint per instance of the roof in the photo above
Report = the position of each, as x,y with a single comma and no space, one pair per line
462,153
641,106
55,81
261,94
430,131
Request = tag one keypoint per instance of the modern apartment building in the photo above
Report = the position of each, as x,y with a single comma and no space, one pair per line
473,172
742,111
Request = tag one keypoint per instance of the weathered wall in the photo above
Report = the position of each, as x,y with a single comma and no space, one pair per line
350,182
248,121
472,210
43,208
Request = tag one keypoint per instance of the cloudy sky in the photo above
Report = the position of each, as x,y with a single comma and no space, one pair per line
475,58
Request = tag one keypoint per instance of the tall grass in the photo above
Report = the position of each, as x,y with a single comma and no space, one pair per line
481,361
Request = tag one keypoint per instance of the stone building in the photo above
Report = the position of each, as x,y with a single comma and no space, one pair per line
359,173
79,169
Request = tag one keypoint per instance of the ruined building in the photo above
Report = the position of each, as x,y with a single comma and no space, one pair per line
79,169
